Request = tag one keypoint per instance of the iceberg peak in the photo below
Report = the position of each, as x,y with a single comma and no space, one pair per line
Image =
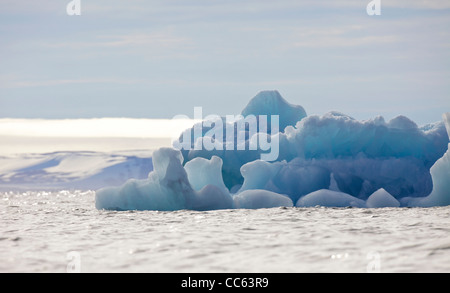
402,122
270,102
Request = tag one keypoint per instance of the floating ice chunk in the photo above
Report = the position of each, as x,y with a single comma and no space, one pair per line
362,155
202,172
329,198
298,178
139,195
359,176
293,179
167,164
330,160
259,198
380,199
440,196
167,187
211,197
205,176
258,174
440,173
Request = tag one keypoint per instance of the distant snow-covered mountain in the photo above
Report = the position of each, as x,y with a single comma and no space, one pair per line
71,170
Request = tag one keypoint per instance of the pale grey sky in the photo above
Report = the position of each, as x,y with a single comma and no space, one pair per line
157,59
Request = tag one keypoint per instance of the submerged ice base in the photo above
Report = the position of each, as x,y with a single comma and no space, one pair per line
330,160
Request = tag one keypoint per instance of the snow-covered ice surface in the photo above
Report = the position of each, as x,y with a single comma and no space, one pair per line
86,163
72,170
44,231
37,154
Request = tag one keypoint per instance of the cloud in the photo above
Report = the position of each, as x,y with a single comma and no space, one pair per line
140,39
417,4
191,9
95,127
341,41
201,9
8,81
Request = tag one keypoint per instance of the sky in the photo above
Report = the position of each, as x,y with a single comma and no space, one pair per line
157,59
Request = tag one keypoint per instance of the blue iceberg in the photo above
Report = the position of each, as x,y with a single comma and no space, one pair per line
328,160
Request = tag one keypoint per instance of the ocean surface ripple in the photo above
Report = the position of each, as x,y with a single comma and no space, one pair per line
63,231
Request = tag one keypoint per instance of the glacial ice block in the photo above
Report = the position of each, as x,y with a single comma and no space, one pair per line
329,160
440,195
201,172
259,198
335,135
363,156
294,179
168,188
329,198
440,173
381,199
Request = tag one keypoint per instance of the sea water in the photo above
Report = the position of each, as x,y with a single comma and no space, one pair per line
62,231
